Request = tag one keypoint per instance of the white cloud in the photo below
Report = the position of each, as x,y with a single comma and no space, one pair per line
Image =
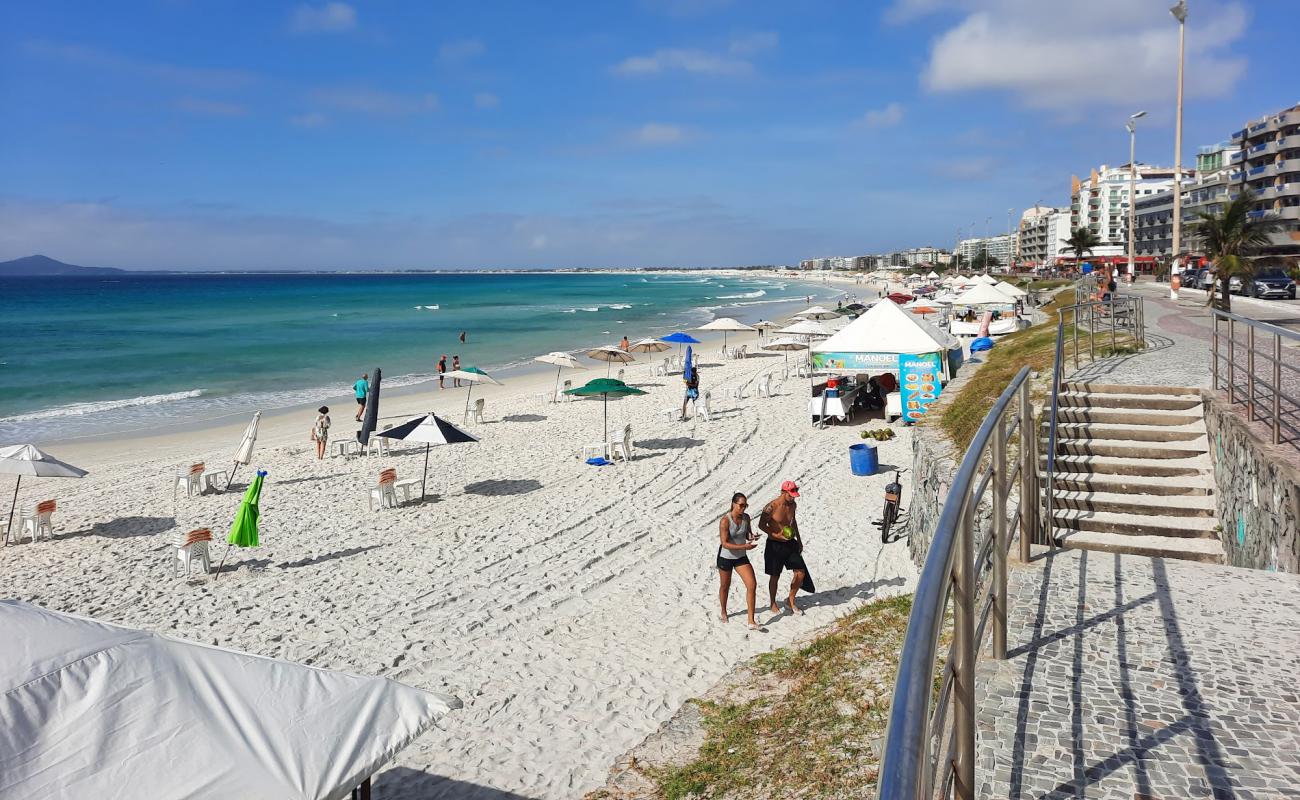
486,100
331,17
886,117
364,100
461,50
658,133
1074,56
312,119
200,78
210,108
751,43
697,62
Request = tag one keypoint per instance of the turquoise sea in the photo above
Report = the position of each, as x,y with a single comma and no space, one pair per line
84,356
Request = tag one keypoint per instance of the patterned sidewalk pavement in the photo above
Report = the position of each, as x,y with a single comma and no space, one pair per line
1143,679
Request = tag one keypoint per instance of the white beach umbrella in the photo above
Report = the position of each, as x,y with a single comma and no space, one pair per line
610,355
649,346
817,312
29,460
430,429
807,327
244,453
765,325
561,360
726,324
471,375
785,347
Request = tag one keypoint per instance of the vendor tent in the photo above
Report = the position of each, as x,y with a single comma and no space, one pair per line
986,279
96,710
1009,290
875,340
984,295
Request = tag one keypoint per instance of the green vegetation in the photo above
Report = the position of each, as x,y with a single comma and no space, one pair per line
1081,241
1054,283
1228,236
816,738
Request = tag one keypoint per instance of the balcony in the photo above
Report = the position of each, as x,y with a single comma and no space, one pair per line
1238,134
1255,172
1237,156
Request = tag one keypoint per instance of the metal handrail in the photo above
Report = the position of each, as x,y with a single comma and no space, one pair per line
950,571
1276,418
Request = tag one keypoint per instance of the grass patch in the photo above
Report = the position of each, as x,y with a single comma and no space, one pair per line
1055,283
1033,347
817,738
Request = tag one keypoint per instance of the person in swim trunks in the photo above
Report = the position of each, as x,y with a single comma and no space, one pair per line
735,539
784,548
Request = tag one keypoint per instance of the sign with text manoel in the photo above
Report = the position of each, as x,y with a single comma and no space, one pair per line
918,383
855,362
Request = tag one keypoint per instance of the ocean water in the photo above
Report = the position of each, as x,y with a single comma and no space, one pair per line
85,356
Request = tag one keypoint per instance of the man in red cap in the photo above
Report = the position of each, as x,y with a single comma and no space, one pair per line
784,548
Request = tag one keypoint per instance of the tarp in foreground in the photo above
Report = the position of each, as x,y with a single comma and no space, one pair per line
98,710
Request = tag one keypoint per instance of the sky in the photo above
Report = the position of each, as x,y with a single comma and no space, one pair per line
217,134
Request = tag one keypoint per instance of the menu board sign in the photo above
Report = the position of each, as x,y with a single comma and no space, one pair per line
918,383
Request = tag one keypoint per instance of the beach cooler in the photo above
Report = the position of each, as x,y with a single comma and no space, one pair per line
863,459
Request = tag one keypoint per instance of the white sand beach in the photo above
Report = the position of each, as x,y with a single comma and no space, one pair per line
571,608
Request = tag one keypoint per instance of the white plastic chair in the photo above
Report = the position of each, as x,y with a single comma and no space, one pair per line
623,447
764,388
385,494
377,445
742,351
566,387
38,521
706,412
477,415
191,480
190,547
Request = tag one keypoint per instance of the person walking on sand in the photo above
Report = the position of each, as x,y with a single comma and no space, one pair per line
455,365
442,371
362,388
320,431
692,390
735,539
784,548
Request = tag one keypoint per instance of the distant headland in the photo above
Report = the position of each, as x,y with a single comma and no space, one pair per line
42,266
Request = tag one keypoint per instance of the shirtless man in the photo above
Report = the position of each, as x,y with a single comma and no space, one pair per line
784,549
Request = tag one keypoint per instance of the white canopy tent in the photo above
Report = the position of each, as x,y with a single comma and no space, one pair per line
1009,290
986,279
96,710
875,340
984,295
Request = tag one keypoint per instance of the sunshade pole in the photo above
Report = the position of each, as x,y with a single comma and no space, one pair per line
217,577
556,395
14,505
606,397
231,477
424,480
468,394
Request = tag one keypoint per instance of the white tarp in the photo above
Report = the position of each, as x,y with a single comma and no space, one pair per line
983,295
887,328
98,710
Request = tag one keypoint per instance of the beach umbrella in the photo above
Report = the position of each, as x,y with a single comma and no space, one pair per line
649,346
807,327
432,430
678,338
29,460
726,325
610,355
471,375
817,312
243,531
244,454
765,325
607,388
370,417
785,346
560,360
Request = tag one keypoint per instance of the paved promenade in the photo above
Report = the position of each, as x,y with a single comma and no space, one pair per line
1143,679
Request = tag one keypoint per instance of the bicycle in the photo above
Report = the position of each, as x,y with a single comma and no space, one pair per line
893,491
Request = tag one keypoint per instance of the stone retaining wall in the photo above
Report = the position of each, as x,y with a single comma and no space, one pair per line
1258,493
934,464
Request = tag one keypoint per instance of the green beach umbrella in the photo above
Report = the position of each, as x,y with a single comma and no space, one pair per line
606,388
471,376
243,531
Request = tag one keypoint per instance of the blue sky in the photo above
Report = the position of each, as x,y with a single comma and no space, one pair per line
192,134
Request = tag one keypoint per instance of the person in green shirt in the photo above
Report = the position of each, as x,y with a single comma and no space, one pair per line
362,388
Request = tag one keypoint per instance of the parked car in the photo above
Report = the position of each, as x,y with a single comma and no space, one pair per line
1191,277
1269,283
1206,279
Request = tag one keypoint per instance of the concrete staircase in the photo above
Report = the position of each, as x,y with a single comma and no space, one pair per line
1133,472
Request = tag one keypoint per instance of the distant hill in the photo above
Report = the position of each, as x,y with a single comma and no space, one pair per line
40,266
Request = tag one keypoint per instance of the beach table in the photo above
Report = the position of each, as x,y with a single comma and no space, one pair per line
344,447
840,407
214,480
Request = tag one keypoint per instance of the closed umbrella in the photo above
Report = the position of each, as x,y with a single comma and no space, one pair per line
605,388
726,325
560,360
28,459
471,375
244,454
430,429
243,531
370,419
610,355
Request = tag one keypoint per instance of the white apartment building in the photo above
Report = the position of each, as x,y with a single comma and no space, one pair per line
1041,235
1001,247
1101,202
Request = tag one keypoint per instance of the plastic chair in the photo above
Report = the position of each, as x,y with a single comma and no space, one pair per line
564,388
706,412
191,481
623,447
385,494
189,547
377,445
620,374
38,521
477,415
764,388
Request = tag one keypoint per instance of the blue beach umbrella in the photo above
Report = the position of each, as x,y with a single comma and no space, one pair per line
678,338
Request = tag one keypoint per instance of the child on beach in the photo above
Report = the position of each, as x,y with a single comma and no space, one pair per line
735,539
320,431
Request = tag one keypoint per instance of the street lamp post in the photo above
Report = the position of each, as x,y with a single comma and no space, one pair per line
1180,13
1011,250
1132,189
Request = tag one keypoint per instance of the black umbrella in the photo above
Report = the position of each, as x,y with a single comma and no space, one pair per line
430,429
371,416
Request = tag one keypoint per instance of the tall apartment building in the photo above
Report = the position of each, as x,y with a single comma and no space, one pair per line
1001,247
1101,201
1041,234
1270,153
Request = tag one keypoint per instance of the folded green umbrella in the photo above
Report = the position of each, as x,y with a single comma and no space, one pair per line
243,532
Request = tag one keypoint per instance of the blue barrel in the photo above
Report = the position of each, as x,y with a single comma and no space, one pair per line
862,459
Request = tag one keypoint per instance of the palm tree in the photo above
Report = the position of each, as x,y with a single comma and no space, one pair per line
1082,240
1228,236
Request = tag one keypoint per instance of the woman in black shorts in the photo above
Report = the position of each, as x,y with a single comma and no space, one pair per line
735,538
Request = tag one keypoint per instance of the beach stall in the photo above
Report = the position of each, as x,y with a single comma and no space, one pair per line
100,710
919,358
974,303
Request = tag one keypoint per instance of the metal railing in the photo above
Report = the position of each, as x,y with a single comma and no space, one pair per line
926,753
1275,400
